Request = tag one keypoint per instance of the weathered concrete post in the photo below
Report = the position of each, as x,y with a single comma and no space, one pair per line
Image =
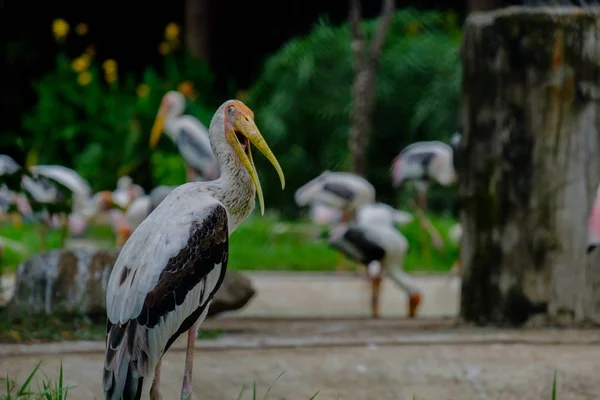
529,164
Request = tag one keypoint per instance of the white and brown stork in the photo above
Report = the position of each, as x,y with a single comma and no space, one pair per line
189,135
172,265
423,162
342,190
126,192
374,241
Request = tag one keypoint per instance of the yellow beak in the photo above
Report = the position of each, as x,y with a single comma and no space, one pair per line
157,128
246,126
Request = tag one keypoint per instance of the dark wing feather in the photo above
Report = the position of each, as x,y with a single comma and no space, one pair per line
368,250
339,190
128,352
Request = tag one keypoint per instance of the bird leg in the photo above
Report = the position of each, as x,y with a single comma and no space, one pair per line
375,291
186,390
154,390
426,224
375,273
422,197
64,229
43,235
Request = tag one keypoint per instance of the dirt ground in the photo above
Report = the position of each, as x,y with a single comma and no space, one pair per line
353,359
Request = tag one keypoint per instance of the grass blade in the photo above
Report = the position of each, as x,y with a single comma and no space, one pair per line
273,384
25,385
242,390
314,396
554,386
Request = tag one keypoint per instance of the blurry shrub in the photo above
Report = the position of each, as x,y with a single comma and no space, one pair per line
302,100
92,119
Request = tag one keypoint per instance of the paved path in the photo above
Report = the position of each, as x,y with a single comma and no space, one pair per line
352,359
305,295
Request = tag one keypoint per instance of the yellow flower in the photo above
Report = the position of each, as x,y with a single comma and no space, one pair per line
111,76
81,29
84,78
60,28
109,66
81,63
413,28
143,90
186,88
172,31
163,48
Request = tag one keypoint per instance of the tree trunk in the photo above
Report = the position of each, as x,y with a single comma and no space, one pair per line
529,164
366,62
197,28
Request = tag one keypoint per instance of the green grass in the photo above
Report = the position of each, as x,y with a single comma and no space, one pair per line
265,243
56,390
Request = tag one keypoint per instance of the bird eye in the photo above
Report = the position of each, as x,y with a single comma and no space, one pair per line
231,110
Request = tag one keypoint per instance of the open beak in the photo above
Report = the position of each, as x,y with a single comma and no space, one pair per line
243,132
159,123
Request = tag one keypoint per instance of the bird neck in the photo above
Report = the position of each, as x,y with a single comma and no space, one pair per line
234,188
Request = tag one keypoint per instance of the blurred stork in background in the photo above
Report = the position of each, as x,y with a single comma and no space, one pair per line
374,241
55,190
10,186
343,191
424,162
190,136
126,192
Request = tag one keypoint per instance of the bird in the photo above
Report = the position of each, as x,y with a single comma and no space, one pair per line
126,192
374,241
10,184
423,162
594,224
168,271
10,172
144,205
189,135
342,190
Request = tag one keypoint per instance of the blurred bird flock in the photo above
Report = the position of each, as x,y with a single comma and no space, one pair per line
96,119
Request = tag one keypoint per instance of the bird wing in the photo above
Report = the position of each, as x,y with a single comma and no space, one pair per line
193,144
340,190
356,244
162,283
66,177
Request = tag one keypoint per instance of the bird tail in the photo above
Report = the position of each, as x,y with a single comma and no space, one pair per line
121,380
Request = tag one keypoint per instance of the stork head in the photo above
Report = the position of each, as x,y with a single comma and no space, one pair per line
171,106
240,132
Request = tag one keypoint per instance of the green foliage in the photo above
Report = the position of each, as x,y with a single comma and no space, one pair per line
302,100
90,119
266,243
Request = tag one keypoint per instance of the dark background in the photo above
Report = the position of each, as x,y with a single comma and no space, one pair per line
241,35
